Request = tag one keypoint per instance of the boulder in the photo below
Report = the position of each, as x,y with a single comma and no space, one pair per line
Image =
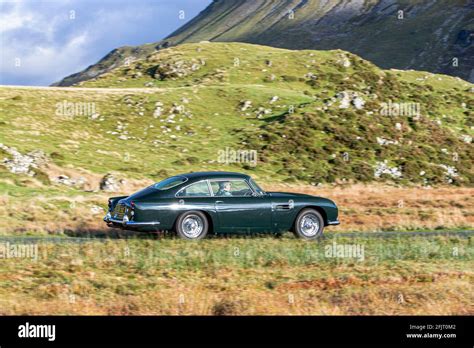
350,98
23,164
274,99
245,104
110,183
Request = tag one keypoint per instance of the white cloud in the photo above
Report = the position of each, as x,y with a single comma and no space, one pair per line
13,21
29,36
51,45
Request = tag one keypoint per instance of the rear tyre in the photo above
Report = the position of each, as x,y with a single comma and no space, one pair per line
309,224
192,225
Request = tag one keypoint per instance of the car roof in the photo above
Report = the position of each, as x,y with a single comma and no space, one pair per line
214,175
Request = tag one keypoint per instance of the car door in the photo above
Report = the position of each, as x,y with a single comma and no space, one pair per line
239,209
196,196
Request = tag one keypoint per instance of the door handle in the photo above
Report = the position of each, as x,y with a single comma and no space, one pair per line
217,202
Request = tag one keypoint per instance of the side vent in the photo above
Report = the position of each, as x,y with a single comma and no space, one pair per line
284,206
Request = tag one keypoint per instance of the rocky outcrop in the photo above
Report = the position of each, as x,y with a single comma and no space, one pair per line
174,70
111,183
18,163
79,183
350,98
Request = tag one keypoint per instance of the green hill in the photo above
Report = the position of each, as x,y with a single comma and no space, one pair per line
312,117
435,36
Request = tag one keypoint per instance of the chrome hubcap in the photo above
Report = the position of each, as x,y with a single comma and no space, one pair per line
192,226
309,225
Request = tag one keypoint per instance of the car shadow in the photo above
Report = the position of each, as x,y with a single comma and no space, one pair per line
114,233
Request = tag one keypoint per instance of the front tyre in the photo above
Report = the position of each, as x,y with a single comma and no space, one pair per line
192,225
309,224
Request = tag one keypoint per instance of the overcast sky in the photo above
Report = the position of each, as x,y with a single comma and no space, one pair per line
43,41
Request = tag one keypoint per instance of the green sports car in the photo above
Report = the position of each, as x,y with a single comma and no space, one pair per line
196,204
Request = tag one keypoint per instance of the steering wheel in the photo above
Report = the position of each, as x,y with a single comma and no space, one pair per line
248,193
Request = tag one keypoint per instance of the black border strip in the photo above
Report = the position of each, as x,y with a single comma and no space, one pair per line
261,330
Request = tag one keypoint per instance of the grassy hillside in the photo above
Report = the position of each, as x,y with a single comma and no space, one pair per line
304,134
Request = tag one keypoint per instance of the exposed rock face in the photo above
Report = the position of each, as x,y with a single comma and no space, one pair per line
384,168
158,109
177,109
174,70
344,61
358,26
350,98
63,179
110,183
245,104
274,99
18,163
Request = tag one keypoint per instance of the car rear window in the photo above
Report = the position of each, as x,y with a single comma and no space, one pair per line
170,183
199,189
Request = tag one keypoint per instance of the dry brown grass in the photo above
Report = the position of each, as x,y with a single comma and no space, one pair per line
447,294
406,275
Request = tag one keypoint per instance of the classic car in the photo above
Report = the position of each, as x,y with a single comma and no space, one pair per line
199,203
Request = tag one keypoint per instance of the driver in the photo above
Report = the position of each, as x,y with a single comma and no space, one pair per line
224,188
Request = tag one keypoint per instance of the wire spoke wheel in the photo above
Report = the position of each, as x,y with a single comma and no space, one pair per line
192,226
309,224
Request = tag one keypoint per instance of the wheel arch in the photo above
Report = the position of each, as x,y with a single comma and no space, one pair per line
210,220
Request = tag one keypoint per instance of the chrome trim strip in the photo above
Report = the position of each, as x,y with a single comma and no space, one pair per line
333,222
169,188
132,223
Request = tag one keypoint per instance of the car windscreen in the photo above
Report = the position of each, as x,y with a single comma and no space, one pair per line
256,187
169,183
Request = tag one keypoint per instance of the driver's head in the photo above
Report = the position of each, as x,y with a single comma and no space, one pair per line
225,186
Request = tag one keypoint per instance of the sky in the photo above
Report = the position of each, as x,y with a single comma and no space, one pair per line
42,41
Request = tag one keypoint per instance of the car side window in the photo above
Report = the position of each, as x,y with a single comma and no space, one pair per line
230,188
198,189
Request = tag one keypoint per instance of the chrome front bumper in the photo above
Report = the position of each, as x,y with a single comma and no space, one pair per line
126,222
